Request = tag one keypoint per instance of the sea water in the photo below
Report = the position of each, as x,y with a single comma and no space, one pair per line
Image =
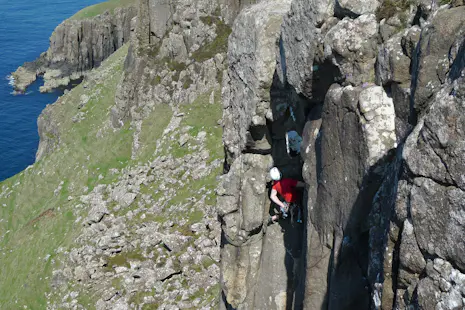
25,29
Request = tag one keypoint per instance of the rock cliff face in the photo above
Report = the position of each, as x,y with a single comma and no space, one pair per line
77,46
128,217
376,94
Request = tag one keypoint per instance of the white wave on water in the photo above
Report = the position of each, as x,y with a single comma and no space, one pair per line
11,80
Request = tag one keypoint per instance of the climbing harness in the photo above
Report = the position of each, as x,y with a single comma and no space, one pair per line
293,208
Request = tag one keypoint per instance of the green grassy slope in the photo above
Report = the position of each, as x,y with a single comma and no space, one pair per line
37,204
99,8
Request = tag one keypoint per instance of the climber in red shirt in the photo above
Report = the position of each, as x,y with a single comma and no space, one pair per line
288,190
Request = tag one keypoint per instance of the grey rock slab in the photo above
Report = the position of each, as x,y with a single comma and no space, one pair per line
175,243
392,63
356,7
299,38
252,56
351,45
239,271
438,217
248,174
432,59
436,149
410,255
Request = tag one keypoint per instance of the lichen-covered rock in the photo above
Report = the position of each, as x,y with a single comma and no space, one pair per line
351,45
442,288
378,114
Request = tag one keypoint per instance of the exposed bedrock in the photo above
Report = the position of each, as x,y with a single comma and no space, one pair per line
432,200
415,216
379,107
260,264
179,52
77,46
438,47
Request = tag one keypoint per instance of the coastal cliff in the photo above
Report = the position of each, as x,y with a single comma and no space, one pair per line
151,188
78,45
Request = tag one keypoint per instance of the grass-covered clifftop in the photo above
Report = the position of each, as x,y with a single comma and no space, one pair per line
44,209
100,8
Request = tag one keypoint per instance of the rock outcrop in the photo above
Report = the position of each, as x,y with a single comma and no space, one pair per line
77,46
179,53
378,105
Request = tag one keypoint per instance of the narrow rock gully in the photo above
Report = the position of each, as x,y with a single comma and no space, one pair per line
268,269
287,238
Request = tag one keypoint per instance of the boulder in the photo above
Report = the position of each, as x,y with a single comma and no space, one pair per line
356,8
351,45
410,257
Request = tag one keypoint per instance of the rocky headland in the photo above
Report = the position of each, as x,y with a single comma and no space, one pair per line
78,45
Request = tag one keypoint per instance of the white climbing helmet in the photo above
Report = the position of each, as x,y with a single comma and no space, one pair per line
275,174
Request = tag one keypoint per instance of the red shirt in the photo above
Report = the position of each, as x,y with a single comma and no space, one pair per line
287,189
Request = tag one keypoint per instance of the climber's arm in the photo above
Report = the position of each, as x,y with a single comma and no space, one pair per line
275,199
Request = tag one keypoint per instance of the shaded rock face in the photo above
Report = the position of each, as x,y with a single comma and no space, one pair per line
77,46
380,113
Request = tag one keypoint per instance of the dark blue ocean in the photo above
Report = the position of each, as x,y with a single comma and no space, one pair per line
25,28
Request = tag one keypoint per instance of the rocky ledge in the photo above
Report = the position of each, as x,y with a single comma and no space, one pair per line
77,46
